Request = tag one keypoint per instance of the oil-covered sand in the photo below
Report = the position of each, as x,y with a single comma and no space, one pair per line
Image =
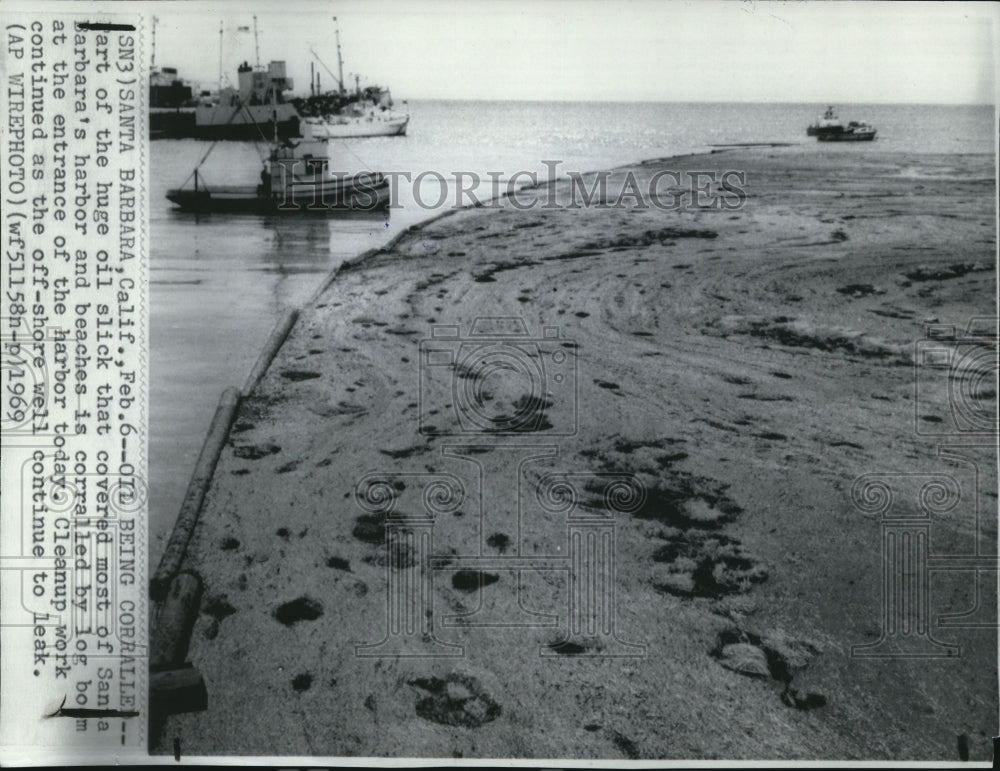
746,365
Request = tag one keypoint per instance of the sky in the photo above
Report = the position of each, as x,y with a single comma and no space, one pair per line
607,50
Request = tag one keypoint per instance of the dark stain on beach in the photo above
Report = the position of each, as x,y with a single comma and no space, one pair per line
489,276
625,745
229,543
369,528
297,375
804,700
780,330
859,290
338,563
669,458
458,700
784,655
499,541
405,452
682,500
707,565
300,609
650,237
218,607
955,270
302,682
566,648
776,656
470,580
575,255
255,451
399,557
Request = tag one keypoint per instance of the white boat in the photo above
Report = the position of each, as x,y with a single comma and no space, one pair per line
374,124
344,113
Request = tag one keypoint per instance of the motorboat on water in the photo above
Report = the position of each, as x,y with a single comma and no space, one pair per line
854,132
830,129
297,177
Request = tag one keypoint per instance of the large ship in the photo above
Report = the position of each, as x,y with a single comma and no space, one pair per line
254,109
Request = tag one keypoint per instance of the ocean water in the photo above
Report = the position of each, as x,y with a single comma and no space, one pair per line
219,283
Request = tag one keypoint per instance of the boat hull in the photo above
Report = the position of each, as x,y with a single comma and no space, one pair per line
368,195
204,123
358,127
824,131
848,136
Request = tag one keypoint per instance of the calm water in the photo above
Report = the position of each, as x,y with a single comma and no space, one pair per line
219,283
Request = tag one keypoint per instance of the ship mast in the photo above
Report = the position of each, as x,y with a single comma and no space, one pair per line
221,23
152,63
340,59
274,115
256,47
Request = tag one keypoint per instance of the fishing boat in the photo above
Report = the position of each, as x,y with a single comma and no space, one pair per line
296,178
829,129
365,122
854,132
346,113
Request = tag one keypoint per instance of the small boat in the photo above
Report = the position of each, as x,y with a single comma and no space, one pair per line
830,129
296,178
855,132
373,123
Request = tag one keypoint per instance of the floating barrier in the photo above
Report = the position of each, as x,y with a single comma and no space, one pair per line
187,518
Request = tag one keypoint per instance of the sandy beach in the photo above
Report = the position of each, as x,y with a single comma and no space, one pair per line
745,365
